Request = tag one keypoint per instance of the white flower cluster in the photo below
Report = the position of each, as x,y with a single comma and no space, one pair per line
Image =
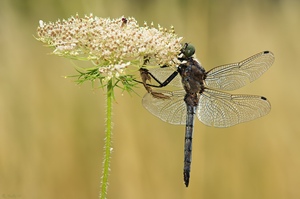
112,44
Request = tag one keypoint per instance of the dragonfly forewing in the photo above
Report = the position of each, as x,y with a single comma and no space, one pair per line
221,109
233,76
170,108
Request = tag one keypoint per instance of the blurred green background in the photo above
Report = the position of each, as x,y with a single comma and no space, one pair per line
52,130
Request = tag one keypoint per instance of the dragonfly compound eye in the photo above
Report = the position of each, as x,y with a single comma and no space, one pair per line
189,50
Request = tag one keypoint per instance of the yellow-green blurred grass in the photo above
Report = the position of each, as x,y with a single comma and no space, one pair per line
52,131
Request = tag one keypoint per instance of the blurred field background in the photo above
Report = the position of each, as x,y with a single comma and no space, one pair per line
52,130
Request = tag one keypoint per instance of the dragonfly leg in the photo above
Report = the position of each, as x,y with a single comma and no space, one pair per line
146,76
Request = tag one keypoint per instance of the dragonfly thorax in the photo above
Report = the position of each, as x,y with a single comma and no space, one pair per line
192,75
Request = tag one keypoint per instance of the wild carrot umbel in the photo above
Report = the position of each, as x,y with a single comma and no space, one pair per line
112,46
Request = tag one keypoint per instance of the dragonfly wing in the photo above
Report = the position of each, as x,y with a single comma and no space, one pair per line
236,75
220,109
170,108
163,73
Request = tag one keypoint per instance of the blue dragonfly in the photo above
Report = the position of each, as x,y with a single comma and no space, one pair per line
201,94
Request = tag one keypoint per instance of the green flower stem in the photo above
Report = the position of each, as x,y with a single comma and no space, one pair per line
108,137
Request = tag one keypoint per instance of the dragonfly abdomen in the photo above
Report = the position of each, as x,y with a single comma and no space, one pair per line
191,110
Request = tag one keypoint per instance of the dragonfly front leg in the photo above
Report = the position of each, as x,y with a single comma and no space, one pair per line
146,76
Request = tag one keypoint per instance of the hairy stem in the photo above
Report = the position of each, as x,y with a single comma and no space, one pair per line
108,143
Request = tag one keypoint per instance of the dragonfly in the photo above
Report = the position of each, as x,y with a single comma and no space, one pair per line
201,94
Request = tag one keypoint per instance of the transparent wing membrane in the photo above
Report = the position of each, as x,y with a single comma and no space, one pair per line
171,108
236,75
220,109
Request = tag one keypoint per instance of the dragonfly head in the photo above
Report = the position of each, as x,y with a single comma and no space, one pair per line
187,51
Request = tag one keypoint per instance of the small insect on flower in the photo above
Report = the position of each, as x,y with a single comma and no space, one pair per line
124,20
111,44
